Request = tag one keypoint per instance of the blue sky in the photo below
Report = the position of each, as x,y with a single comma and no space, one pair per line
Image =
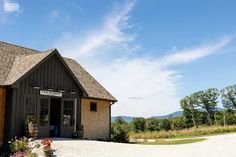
148,54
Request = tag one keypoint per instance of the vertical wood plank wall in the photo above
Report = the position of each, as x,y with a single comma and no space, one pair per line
51,74
2,112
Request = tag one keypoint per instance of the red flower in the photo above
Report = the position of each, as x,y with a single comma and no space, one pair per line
46,142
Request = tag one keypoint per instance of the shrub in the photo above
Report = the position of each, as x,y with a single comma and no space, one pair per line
139,124
152,124
165,124
19,147
178,123
120,131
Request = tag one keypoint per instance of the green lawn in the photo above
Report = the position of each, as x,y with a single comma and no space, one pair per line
172,142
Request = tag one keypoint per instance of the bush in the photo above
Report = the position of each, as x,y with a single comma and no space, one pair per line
178,123
152,124
139,124
165,124
120,130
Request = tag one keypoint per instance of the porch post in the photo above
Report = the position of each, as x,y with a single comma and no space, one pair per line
75,115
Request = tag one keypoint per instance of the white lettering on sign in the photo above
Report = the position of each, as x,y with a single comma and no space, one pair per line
50,93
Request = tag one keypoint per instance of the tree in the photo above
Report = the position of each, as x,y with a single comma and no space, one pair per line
228,96
207,100
139,124
165,124
189,106
152,124
178,123
230,117
120,130
228,99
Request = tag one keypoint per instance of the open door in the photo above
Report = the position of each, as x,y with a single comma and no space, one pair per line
67,117
43,116
55,117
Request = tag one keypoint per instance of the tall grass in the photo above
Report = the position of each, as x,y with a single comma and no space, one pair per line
183,133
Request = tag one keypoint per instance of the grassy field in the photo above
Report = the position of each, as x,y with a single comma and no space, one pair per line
172,142
192,132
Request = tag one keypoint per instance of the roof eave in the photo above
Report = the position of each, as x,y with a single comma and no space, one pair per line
103,99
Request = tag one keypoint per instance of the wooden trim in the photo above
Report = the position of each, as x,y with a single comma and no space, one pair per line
93,98
2,113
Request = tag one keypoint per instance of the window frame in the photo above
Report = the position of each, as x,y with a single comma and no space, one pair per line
44,123
72,119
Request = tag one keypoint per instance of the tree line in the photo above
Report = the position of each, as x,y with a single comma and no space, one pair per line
199,109
204,104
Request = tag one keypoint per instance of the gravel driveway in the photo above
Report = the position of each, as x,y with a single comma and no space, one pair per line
215,146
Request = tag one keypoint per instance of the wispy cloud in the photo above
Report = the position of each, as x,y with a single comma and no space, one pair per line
110,33
144,86
76,6
188,55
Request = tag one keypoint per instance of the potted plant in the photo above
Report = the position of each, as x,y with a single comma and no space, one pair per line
31,127
80,132
75,135
47,147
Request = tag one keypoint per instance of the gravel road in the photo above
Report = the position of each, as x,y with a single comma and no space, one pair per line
215,146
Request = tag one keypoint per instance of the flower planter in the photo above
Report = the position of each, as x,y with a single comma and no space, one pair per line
31,127
32,130
48,153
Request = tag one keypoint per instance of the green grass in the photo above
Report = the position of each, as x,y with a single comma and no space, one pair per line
192,132
172,142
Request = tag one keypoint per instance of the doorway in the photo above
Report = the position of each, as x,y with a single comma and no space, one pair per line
55,117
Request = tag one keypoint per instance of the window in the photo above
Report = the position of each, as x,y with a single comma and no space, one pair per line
68,113
93,106
43,113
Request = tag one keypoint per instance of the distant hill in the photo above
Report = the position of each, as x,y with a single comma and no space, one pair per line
129,118
174,114
126,118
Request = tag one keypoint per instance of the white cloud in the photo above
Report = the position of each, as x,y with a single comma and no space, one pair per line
109,34
7,7
189,55
144,86
153,88
10,6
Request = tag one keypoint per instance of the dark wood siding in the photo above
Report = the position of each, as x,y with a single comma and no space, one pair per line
2,112
51,74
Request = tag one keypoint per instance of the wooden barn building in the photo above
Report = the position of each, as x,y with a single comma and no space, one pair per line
60,93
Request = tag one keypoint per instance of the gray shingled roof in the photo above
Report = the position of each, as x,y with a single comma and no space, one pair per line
15,61
22,64
91,86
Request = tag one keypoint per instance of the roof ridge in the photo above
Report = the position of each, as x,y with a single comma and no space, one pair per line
8,73
31,54
52,49
19,46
